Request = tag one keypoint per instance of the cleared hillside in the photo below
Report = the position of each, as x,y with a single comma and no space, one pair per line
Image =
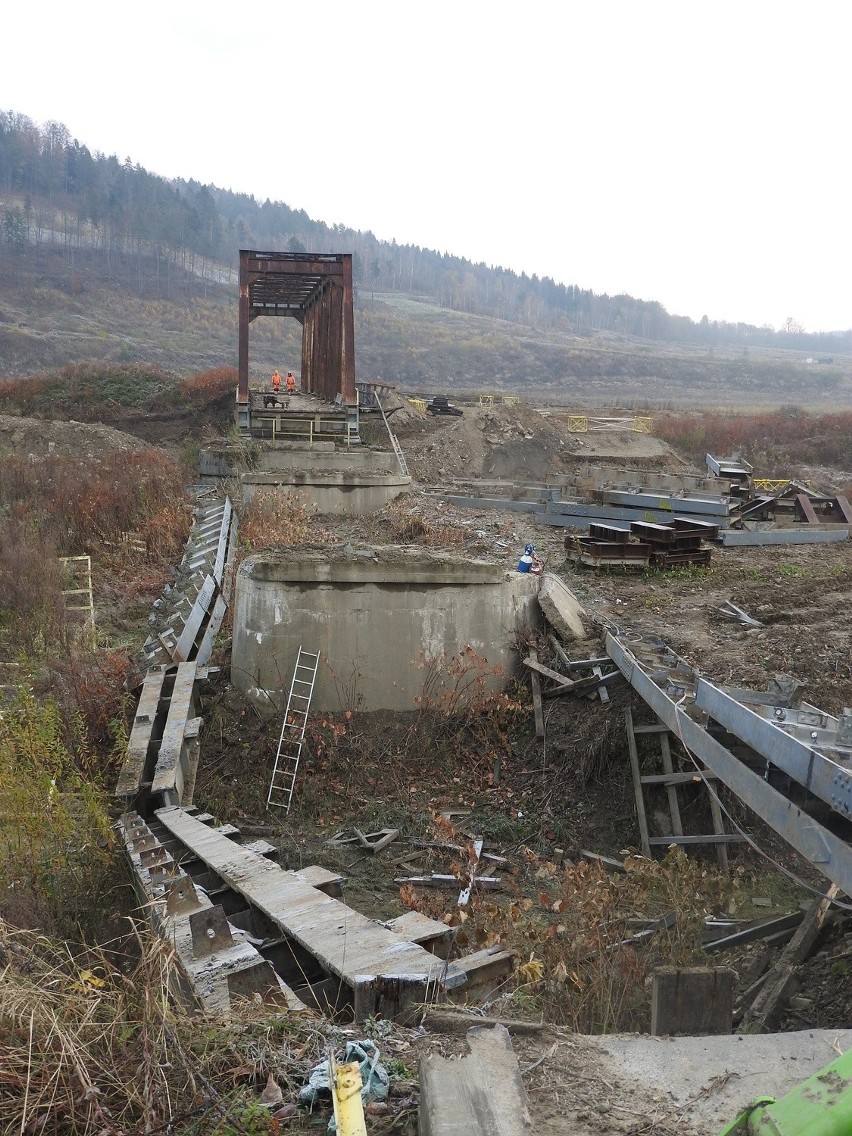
56,310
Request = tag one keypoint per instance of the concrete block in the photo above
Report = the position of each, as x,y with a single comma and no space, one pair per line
561,608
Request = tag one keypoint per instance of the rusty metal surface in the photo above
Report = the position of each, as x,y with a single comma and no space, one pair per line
315,289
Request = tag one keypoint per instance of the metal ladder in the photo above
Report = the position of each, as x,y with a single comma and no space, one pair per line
292,737
397,449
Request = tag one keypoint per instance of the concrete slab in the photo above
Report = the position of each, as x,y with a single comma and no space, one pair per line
706,1081
561,608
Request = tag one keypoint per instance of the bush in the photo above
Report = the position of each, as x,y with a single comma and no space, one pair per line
56,836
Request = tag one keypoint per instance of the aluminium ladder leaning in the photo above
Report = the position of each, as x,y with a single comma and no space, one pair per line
293,731
397,448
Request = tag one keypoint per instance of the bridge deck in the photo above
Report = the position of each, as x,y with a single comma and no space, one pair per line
379,966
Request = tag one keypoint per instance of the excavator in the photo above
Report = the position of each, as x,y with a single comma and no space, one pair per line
820,1106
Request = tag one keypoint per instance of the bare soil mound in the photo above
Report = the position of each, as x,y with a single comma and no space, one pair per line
513,443
38,437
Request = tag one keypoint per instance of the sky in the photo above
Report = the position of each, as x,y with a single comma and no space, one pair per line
688,152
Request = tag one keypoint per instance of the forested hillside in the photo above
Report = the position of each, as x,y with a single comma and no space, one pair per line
54,190
101,260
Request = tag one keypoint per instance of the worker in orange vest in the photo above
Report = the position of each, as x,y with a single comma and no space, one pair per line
276,382
291,383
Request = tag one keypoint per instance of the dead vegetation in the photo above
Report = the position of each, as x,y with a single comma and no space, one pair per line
93,1053
87,1045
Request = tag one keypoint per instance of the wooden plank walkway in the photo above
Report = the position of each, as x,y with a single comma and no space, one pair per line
383,971
178,754
133,770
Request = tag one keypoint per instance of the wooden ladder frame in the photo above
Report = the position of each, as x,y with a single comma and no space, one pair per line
669,780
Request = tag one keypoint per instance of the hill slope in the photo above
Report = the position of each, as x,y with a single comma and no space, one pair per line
54,311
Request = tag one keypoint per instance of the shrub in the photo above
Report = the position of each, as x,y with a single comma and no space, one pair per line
56,836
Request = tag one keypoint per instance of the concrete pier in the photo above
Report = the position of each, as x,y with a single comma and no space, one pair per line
382,619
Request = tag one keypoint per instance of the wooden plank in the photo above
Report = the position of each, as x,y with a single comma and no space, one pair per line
676,778
133,770
178,755
343,941
607,862
769,1004
560,653
536,696
671,790
718,829
322,879
532,662
602,692
418,928
691,1000
637,784
486,970
200,610
582,685
481,1094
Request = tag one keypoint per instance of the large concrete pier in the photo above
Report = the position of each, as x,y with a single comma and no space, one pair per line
381,619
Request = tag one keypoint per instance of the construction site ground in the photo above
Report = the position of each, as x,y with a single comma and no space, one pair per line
572,793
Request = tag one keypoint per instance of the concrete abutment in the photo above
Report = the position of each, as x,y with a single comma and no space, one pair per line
382,619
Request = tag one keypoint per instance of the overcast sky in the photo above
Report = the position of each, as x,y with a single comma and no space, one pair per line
689,152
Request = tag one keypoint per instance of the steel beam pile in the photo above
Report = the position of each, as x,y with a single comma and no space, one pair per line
643,544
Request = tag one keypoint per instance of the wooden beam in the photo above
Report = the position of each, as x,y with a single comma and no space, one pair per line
769,1004
637,784
480,1095
536,696
691,1000
532,662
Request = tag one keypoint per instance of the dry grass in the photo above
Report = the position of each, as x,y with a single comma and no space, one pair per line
580,964
87,1047
273,517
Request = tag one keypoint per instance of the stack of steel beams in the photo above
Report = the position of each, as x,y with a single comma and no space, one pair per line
678,543
643,543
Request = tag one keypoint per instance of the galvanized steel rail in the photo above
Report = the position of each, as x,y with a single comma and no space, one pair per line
670,691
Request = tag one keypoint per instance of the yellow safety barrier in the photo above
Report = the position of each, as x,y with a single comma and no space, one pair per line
510,400
486,400
771,484
285,432
578,423
643,425
420,403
